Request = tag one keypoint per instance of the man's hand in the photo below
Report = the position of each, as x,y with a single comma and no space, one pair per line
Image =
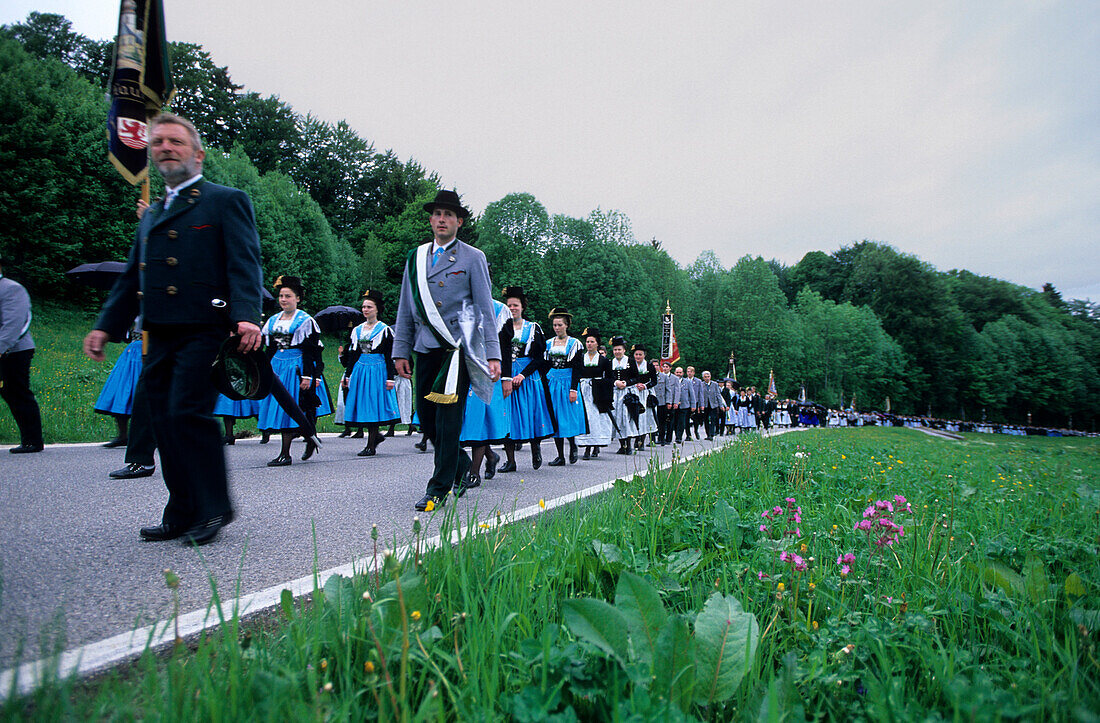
403,368
250,336
506,385
93,344
494,369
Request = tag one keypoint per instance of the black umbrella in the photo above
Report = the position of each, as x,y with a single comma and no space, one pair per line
99,276
333,319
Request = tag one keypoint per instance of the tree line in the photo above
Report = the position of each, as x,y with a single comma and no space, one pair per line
863,323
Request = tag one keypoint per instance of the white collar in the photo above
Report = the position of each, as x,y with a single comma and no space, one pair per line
170,191
449,247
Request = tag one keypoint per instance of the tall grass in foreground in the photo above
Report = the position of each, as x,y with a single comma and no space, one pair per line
982,604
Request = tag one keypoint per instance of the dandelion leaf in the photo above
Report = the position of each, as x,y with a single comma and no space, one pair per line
1075,586
607,553
674,663
598,623
340,594
1035,579
1089,618
726,523
644,613
725,644
286,601
999,575
684,561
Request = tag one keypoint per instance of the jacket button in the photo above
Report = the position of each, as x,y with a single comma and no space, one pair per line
145,239
141,266
140,294
440,283
171,261
439,304
171,290
173,234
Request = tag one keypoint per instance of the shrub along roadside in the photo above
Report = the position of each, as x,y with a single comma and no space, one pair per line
984,604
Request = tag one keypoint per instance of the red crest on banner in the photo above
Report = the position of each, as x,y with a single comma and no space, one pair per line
132,133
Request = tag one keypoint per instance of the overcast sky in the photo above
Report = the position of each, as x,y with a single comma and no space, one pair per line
965,133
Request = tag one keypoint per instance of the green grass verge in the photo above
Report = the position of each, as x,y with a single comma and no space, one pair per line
67,383
986,608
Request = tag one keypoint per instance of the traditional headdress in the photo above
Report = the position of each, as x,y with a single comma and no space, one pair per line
291,282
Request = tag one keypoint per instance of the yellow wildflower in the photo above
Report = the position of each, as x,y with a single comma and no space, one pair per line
415,615
430,506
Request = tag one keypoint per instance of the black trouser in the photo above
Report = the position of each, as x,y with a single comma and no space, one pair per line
180,398
140,444
442,424
15,371
710,421
664,415
683,418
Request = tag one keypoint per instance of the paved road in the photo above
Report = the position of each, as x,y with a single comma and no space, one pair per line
74,571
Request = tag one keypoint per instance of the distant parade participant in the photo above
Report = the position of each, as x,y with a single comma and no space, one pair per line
663,392
729,417
484,424
194,271
562,378
16,350
294,345
683,400
712,406
531,416
643,386
770,406
696,416
117,396
443,278
594,387
370,397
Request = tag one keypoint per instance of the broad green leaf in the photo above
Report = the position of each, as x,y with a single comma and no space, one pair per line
607,553
286,601
999,575
684,561
725,644
645,615
598,623
1035,579
1089,618
339,593
1075,586
674,664
726,521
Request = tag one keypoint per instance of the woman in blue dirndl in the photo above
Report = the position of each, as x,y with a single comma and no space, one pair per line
530,411
562,379
487,424
370,399
293,342
117,396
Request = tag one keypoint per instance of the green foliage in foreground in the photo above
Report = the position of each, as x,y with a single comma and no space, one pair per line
985,608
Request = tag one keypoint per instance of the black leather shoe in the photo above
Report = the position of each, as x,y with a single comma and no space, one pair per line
587,453
358,434
116,442
472,480
573,454
207,530
229,440
281,461
367,452
265,437
459,489
623,449
309,450
132,471
507,467
491,462
26,449
345,434
536,456
161,532
422,445
422,505
595,451
556,462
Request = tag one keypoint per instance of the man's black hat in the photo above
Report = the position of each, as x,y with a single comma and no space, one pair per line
448,199
291,282
514,292
239,375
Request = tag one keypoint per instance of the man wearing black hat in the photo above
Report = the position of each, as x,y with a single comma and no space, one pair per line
443,279
16,350
194,271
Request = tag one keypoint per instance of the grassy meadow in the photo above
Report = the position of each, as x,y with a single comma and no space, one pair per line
856,574
67,383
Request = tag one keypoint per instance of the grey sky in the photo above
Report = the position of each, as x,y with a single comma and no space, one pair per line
965,133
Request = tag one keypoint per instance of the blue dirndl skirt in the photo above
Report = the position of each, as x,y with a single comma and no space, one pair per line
287,365
117,396
226,407
485,423
530,415
367,400
570,415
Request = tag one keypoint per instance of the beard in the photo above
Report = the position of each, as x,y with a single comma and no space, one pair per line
176,174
